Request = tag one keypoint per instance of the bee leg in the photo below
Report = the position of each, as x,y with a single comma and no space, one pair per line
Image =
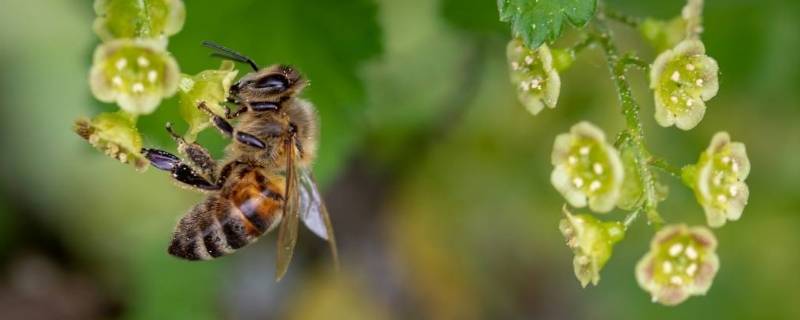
230,114
220,123
198,156
227,129
180,171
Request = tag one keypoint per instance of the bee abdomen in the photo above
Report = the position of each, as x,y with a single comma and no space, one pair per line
211,229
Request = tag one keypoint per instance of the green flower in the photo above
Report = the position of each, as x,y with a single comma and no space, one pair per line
718,179
151,19
663,34
533,74
681,263
116,135
592,241
587,168
683,78
209,87
136,74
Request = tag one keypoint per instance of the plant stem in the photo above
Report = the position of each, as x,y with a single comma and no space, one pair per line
632,60
630,109
583,44
623,18
665,166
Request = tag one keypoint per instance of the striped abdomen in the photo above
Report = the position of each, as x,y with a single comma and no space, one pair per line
229,220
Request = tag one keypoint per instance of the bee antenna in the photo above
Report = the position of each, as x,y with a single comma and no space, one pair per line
224,52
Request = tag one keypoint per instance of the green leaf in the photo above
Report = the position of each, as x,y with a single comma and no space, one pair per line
537,21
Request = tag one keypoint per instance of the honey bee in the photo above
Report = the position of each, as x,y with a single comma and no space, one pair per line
265,181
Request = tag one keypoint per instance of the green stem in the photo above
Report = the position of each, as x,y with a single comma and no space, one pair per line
631,217
665,166
583,44
631,60
630,109
623,18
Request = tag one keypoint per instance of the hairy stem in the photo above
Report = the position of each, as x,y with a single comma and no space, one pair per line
623,18
630,109
665,166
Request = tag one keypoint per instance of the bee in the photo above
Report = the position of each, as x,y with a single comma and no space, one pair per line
265,180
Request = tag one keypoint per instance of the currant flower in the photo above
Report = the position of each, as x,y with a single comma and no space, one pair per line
151,19
532,72
683,78
136,74
587,168
663,34
592,241
682,262
718,180
209,87
116,135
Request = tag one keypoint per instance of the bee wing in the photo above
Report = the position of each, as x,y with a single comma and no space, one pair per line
313,211
287,234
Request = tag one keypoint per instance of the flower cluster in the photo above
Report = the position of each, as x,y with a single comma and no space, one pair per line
718,179
590,172
532,72
131,68
682,79
682,262
592,241
587,168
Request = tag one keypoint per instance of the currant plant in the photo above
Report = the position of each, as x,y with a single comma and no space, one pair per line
591,171
132,68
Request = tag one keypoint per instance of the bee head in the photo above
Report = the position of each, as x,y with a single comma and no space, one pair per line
269,84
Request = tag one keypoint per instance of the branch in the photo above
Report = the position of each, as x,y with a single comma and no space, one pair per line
630,109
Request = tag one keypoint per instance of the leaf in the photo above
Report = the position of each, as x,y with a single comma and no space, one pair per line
537,21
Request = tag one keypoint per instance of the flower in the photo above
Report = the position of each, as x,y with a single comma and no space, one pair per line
532,72
592,241
718,179
136,74
116,135
663,34
683,78
151,19
209,87
681,263
587,167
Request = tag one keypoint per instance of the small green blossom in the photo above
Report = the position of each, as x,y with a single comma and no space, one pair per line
532,72
116,135
136,74
150,19
592,241
683,78
663,34
209,87
587,168
718,179
682,262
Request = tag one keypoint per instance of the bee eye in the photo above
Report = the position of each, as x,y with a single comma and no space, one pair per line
274,83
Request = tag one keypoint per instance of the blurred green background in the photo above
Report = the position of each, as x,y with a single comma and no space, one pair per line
436,178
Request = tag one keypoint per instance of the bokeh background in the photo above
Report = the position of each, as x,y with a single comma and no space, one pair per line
436,178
